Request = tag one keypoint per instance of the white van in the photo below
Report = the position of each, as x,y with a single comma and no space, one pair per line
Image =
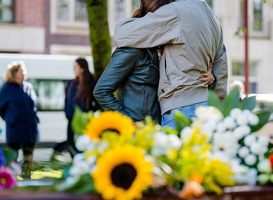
48,74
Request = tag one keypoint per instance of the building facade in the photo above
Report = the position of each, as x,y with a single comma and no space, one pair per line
60,27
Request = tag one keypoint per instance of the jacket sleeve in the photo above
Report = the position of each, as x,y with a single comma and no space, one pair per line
220,70
3,102
154,29
115,74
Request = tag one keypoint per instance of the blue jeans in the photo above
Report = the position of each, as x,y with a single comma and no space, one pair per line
188,111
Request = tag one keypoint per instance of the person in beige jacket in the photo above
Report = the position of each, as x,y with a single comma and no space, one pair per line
192,38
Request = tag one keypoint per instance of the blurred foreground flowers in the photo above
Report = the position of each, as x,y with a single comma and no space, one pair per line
122,160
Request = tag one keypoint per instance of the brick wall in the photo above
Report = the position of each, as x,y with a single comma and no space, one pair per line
29,12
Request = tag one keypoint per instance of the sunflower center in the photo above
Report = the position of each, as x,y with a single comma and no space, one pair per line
110,130
123,175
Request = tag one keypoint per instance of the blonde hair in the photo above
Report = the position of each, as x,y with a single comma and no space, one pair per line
12,68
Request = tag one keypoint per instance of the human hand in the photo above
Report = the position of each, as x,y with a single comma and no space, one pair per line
207,78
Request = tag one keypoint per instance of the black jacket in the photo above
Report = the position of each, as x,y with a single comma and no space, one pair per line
135,78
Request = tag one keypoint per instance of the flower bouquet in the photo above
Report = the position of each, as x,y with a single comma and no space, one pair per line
121,159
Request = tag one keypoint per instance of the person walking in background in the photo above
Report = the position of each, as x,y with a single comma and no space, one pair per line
192,38
134,73
18,109
79,92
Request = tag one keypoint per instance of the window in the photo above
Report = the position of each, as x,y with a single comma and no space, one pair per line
238,74
50,94
258,14
71,13
6,11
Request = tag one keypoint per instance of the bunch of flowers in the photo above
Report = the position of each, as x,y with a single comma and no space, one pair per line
7,177
121,159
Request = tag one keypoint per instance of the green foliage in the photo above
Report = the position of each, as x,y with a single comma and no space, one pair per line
181,121
80,119
232,100
10,155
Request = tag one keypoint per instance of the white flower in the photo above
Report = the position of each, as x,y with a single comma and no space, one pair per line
70,180
92,146
186,133
229,122
252,176
174,142
91,160
241,120
253,120
255,148
78,158
97,114
243,152
264,166
241,131
82,142
209,126
263,140
226,143
161,140
263,178
250,159
235,112
220,155
158,151
249,140
79,168
205,113
103,145
221,127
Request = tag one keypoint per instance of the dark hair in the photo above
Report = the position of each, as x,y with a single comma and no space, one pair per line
86,84
149,6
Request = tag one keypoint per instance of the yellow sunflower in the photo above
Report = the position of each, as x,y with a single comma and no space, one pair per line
122,173
109,121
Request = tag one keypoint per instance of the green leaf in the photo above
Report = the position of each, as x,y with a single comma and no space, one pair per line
263,119
10,154
181,121
213,100
80,119
248,103
231,101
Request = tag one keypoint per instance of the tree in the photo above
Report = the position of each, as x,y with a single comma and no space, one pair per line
99,34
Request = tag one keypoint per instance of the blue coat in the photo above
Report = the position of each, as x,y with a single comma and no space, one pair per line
18,109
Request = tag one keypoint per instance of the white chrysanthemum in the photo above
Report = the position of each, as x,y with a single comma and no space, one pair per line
226,143
70,180
250,159
186,133
229,122
92,146
252,176
247,112
253,120
256,148
161,140
241,131
263,178
97,114
241,120
174,142
264,166
221,127
158,151
222,156
243,152
263,140
82,142
249,140
235,112
205,113
79,168
91,160
78,158
209,126
103,145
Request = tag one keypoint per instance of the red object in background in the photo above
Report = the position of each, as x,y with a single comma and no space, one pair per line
271,159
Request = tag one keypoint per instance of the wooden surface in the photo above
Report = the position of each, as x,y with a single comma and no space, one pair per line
230,193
